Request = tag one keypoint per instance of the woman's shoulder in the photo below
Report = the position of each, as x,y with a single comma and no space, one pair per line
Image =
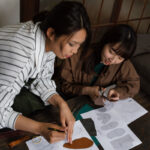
29,27
26,30
23,25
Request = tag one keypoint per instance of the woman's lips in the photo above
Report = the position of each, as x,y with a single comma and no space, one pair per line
107,62
67,56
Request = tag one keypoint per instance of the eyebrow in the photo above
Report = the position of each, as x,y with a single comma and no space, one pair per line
76,42
113,49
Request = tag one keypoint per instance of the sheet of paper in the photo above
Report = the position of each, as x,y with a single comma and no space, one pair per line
119,138
112,131
104,118
40,143
128,109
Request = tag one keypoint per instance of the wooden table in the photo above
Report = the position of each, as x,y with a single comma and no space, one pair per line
141,127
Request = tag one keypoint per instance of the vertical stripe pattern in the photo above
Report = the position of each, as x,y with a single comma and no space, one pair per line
23,56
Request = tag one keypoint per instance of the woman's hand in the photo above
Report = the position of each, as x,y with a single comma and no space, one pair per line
113,95
50,135
67,120
26,124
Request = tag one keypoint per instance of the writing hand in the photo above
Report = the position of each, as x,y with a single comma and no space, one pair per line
52,136
67,121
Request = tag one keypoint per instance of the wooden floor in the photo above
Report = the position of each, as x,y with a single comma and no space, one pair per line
143,99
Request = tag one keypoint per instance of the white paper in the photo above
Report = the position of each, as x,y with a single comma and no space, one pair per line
128,109
103,117
40,143
112,131
120,138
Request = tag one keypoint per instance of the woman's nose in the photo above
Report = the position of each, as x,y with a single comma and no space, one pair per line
75,50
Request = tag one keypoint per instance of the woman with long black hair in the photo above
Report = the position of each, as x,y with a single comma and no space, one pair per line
28,51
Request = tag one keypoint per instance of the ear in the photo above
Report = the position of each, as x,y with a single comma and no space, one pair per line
50,34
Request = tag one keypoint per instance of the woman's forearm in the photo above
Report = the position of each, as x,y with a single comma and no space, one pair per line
57,100
27,124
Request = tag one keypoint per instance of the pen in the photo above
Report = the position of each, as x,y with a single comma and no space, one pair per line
53,129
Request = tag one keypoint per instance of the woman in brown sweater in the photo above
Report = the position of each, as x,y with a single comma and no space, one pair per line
105,63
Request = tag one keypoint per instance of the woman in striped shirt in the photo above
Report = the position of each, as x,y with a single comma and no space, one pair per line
28,51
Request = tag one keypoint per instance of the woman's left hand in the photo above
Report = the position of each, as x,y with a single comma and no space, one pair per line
67,120
113,95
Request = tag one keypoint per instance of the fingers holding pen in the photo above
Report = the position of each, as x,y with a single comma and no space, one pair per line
55,136
52,132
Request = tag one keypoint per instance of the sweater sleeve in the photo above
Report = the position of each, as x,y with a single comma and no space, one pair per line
128,83
69,86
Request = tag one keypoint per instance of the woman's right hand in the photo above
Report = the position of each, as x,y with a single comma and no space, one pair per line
50,135
40,128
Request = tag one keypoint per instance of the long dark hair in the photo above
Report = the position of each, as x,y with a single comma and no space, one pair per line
65,18
123,34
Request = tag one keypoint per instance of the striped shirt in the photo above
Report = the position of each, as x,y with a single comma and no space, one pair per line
23,56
